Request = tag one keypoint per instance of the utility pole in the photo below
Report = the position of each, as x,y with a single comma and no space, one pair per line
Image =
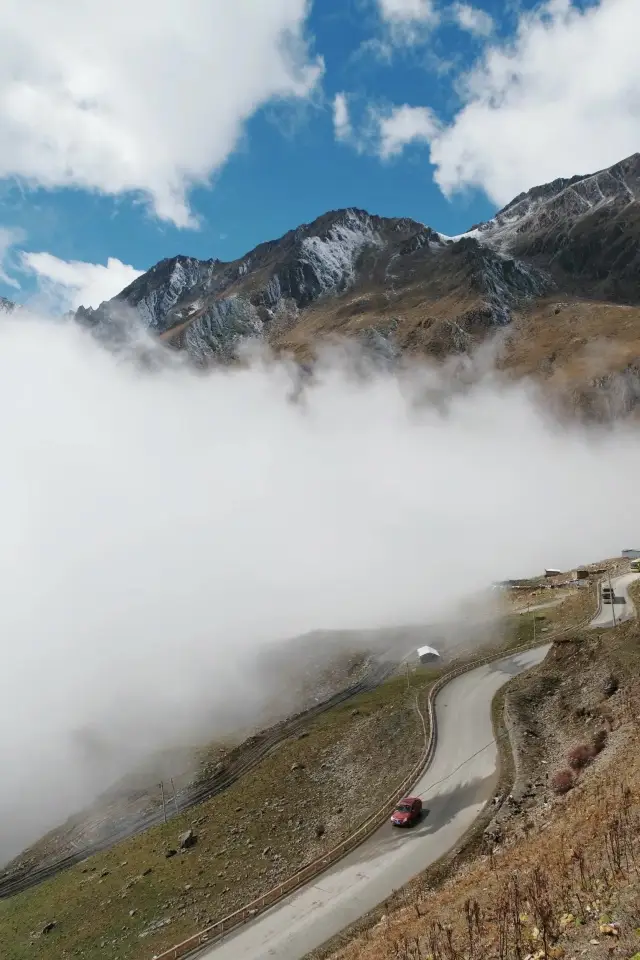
164,806
407,665
175,796
613,606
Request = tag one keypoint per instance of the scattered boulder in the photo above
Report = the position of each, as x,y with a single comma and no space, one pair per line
145,873
320,830
493,833
170,853
188,840
297,766
48,927
610,685
154,926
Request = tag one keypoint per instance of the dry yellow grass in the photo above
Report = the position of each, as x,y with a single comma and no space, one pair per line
585,339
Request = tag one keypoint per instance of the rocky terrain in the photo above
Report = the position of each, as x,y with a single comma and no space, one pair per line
555,272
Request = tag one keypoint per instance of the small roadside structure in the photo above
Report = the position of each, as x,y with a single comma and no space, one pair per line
582,573
428,654
552,572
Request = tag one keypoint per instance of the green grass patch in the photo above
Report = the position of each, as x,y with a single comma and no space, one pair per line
310,793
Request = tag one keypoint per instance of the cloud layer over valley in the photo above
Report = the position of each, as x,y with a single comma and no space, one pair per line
158,528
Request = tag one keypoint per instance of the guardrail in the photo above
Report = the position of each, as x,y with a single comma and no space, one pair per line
269,899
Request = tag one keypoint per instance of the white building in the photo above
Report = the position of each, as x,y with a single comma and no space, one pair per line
428,654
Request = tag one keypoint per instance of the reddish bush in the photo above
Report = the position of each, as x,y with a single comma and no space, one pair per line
562,781
581,755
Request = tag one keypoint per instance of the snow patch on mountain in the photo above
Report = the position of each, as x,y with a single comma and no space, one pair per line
562,201
333,257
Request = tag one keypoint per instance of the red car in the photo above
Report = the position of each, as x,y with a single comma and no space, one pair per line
407,812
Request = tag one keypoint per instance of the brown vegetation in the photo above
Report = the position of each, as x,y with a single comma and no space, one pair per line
562,781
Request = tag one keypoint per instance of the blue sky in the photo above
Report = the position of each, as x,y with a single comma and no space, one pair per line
470,76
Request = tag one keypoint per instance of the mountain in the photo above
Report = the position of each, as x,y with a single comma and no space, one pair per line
6,306
556,269
585,231
345,273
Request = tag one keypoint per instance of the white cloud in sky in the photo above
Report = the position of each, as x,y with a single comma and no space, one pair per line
407,10
472,19
69,284
341,120
141,95
404,125
559,98
408,21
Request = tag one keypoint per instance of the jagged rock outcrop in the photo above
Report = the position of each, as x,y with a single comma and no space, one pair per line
585,230
394,285
210,308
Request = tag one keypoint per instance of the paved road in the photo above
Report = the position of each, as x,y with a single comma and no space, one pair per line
622,611
454,790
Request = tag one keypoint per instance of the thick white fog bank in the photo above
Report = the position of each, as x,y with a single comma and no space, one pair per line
155,528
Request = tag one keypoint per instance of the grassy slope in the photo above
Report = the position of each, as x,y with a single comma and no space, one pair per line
353,757
351,763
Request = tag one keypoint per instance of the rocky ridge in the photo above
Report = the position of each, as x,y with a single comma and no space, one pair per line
400,288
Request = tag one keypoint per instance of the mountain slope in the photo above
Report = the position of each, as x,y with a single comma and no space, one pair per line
330,271
400,287
585,230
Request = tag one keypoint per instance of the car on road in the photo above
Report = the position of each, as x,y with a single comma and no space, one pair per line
407,812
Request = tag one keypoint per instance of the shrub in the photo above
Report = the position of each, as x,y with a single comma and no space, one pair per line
599,741
562,781
580,756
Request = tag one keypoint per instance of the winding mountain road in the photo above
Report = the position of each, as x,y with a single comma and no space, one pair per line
621,611
457,784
